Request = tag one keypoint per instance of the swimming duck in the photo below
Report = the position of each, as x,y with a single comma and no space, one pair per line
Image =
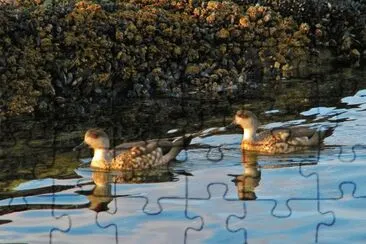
277,140
130,156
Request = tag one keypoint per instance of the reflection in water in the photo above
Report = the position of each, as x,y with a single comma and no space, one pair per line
98,198
249,180
101,195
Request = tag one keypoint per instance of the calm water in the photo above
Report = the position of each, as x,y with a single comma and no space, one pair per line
213,194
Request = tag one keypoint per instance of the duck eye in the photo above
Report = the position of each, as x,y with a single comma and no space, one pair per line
242,115
93,135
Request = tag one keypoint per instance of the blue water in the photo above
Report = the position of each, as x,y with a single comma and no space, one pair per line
311,196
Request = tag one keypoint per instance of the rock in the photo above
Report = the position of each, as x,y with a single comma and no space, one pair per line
223,33
355,53
60,100
43,106
277,65
192,70
137,49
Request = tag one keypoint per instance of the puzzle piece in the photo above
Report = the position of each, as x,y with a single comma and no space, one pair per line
284,228
349,215
334,161
214,226
37,203
254,182
85,219
120,218
24,228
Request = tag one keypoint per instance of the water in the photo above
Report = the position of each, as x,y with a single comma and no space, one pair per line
210,195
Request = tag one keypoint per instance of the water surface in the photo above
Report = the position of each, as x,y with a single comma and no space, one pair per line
213,193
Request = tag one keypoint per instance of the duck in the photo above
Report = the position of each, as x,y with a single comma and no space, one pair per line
131,156
277,140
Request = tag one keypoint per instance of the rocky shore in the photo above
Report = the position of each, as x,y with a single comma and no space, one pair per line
85,55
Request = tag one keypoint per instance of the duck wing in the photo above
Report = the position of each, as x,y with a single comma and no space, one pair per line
138,151
300,136
147,154
165,144
128,145
138,157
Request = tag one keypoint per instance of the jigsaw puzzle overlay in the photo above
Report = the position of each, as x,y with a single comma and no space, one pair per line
213,192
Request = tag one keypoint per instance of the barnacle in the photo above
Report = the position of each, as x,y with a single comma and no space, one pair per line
223,33
202,44
192,69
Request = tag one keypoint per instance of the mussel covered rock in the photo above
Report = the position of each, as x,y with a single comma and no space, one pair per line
91,52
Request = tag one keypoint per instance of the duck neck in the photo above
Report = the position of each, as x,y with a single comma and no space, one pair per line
101,158
249,134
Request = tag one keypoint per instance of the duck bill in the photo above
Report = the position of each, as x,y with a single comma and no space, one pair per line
80,146
230,126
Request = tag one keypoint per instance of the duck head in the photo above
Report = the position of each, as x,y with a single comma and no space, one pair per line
95,139
98,140
246,119
248,122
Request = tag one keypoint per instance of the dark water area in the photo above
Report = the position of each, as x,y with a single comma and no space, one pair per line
214,192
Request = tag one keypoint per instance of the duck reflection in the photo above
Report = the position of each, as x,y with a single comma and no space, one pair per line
249,180
104,190
101,195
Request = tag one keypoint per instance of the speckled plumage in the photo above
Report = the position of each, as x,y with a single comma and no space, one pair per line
143,156
136,158
278,140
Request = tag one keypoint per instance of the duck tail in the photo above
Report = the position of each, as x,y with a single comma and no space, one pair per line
320,135
328,131
177,145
